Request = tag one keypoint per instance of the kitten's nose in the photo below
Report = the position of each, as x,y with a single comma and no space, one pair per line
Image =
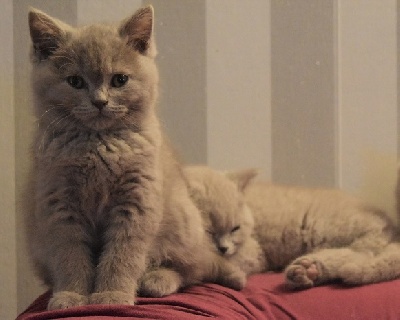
100,104
223,250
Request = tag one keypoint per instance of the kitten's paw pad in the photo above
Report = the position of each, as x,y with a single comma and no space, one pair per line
112,297
302,273
156,285
66,299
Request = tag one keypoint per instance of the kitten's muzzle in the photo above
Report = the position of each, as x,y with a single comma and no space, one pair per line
222,250
100,104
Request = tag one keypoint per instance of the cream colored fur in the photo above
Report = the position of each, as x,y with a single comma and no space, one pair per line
108,211
317,235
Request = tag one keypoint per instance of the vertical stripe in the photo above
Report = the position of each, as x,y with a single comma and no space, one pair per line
367,71
238,84
398,74
95,11
180,36
8,258
303,92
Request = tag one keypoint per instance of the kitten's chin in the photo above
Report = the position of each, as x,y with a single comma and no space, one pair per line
230,254
99,119
99,124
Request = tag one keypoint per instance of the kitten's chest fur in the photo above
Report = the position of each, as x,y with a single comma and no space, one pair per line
93,172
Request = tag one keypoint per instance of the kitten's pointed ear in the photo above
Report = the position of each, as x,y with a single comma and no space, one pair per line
242,178
46,33
139,31
196,188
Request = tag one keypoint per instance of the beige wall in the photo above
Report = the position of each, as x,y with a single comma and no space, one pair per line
8,253
304,90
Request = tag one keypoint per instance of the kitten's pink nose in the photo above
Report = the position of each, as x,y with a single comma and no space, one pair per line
100,104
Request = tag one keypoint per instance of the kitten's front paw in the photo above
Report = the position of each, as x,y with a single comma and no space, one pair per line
235,279
112,297
66,299
302,273
160,283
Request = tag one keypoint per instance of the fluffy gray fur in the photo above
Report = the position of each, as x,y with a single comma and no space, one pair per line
108,211
316,235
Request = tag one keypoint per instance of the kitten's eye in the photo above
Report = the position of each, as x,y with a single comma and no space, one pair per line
76,82
118,80
235,229
210,232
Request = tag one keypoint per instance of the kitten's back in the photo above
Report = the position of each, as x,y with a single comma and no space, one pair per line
291,221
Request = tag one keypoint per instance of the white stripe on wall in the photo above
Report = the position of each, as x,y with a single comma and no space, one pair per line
238,85
367,99
180,34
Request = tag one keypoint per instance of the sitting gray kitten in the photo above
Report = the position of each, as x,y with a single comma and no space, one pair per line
317,235
108,211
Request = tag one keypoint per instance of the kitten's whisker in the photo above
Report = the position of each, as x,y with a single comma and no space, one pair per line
64,65
68,61
55,106
127,120
124,123
41,146
62,126
64,57
57,124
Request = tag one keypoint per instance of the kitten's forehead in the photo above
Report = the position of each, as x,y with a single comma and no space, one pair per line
98,49
227,205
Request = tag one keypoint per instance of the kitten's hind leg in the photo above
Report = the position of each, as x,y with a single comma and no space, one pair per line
160,282
383,266
319,267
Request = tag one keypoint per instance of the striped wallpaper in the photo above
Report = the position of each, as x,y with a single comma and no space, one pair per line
304,90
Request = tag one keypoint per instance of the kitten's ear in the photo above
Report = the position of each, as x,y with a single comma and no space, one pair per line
242,178
46,32
139,31
196,188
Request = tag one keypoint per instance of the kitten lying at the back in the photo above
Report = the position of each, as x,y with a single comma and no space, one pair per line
316,235
226,217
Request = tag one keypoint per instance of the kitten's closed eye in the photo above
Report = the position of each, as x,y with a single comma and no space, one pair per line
235,229
210,232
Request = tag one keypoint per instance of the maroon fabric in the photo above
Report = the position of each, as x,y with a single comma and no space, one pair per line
265,297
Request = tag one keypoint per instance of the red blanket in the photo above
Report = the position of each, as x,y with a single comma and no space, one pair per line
265,297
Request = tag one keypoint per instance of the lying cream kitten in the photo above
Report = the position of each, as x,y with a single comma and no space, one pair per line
317,235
